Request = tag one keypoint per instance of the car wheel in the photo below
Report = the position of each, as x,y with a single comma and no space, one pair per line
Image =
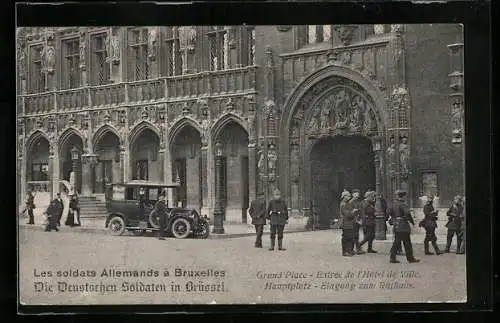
153,221
204,231
116,226
181,228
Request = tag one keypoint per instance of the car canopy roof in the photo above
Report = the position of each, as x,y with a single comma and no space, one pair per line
138,183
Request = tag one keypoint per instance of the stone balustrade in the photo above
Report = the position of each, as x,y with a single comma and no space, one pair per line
213,83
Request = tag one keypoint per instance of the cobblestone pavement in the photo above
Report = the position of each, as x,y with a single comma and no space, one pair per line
311,270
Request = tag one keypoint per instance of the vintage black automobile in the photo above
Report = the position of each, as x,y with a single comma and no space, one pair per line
130,208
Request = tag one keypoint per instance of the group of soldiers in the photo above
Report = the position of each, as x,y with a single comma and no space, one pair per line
357,214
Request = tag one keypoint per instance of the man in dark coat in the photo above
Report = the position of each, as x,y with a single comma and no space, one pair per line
368,220
356,206
61,208
347,225
277,213
454,225
257,211
52,213
160,211
30,206
429,223
400,219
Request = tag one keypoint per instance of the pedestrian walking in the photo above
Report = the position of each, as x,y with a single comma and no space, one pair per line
347,225
277,213
368,220
160,212
356,205
52,214
257,212
429,223
400,219
60,207
30,206
454,225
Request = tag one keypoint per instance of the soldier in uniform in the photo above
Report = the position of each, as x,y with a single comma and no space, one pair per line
52,213
160,211
60,207
368,220
257,211
277,213
356,205
429,223
454,225
400,219
347,225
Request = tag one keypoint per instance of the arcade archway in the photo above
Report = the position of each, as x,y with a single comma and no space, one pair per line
107,170
37,164
186,166
70,156
144,156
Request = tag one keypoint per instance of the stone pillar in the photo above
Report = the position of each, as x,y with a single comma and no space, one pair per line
54,175
205,208
219,209
122,164
162,162
252,174
210,178
23,180
380,225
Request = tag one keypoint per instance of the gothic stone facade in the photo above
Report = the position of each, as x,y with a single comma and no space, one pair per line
311,110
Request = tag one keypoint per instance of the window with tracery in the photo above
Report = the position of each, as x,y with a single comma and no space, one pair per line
100,68
247,48
70,75
138,63
318,34
36,75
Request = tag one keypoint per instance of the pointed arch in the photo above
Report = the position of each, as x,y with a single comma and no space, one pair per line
292,102
66,135
102,131
34,138
222,121
180,124
139,128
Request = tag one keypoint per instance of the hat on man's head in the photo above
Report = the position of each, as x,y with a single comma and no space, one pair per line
400,193
345,193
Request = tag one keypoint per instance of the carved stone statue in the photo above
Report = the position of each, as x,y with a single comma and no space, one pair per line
404,154
325,118
314,124
112,44
21,60
456,116
391,151
272,158
261,162
83,48
345,33
342,107
48,56
357,113
370,122
152,42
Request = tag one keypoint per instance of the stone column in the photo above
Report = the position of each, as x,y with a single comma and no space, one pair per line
22,180
219,209
205,208
210,178
162,162
54,175
380,225
122,164
252,174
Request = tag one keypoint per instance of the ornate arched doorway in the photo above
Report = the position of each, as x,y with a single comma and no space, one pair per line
37,163
70,156
338,163
334,139
107,169
186,165
145,161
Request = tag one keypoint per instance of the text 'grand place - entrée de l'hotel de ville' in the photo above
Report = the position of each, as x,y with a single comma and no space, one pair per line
310,110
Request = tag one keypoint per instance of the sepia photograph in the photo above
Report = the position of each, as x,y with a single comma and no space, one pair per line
241,164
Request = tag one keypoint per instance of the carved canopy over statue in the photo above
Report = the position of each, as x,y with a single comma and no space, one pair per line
342,110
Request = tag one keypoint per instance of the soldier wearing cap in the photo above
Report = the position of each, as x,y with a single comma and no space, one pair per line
400,219
455,218
368,220
160,212
429,223
257,212
347,225
277,213
356,206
